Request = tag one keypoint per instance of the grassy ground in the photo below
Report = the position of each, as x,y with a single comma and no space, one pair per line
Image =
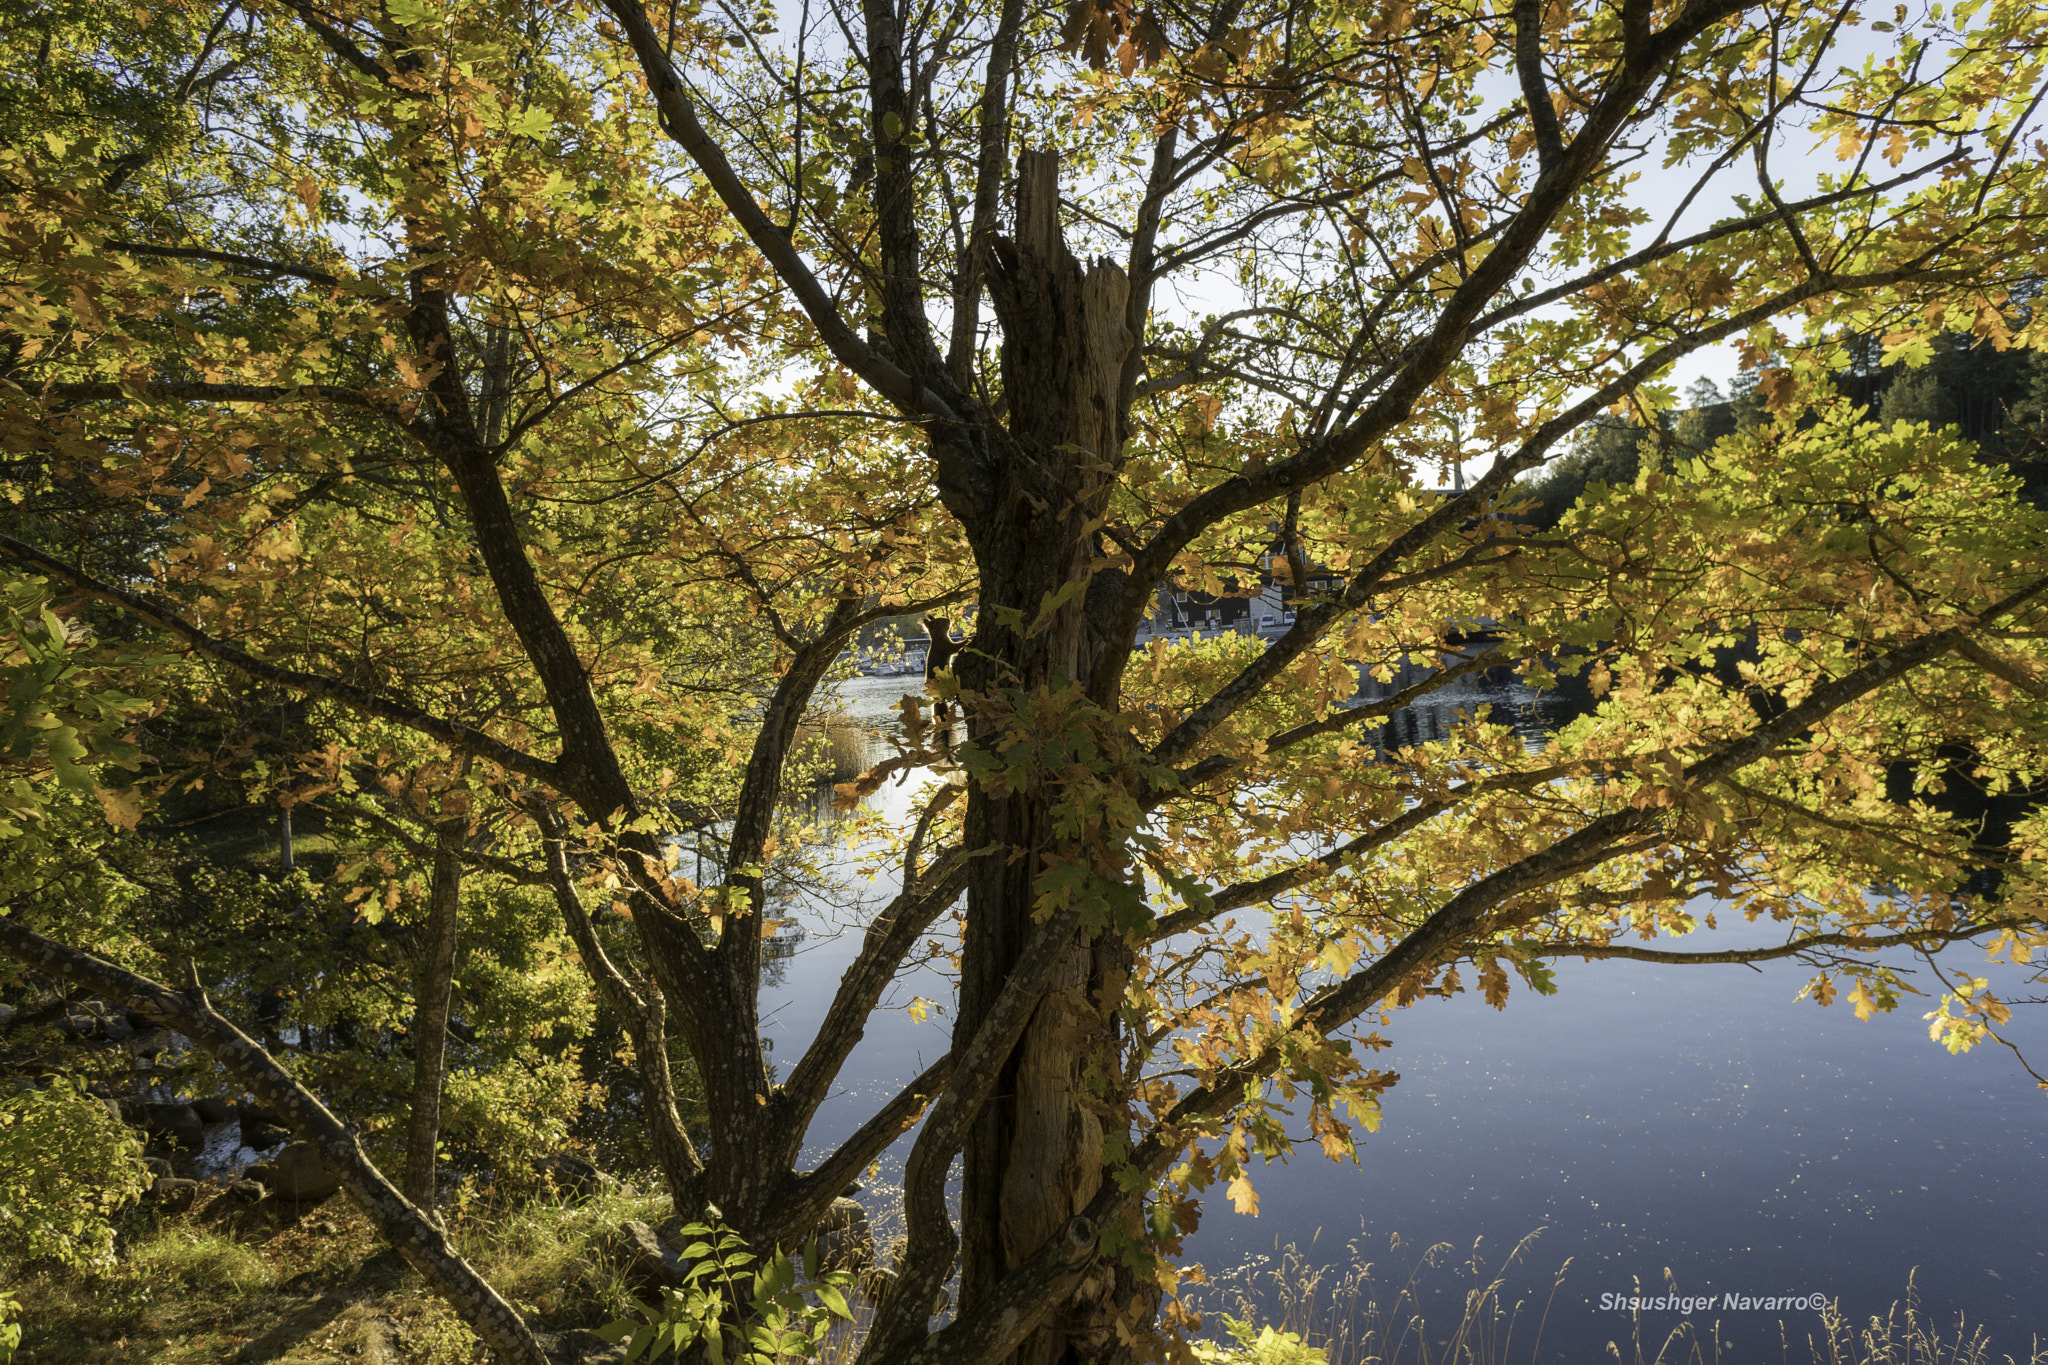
220,1287
223,1286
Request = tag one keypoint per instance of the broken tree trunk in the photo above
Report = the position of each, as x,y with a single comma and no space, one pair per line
1033,1158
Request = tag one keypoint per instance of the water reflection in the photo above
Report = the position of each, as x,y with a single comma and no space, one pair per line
1649,1118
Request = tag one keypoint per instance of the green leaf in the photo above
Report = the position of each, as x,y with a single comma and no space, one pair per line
531,123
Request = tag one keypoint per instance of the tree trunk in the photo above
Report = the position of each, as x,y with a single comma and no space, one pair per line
1034,1157
430,1020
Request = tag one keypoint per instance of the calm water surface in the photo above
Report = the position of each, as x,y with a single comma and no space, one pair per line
1700,1121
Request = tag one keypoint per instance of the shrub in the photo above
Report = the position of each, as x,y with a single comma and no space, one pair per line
65,1166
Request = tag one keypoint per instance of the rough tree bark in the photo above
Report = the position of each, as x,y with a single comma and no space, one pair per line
430,1018
1033,1158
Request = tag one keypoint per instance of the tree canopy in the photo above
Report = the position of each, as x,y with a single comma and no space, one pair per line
487,424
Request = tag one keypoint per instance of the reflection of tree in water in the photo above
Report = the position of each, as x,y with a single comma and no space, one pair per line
776,950
1533,715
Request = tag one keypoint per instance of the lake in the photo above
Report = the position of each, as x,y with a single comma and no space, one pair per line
1695,1120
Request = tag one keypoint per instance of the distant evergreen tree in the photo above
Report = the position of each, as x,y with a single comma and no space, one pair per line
1917,396
1746,402
2023,442
1999,399
1605,450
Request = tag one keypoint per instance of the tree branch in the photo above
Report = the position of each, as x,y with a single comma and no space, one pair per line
1311,622
679,120
891,936
1343,1001
906,1310
459,737
2002,668
991,159
1863,943
228,258
874,1137
641,1009
1426,362
1529,71
218,393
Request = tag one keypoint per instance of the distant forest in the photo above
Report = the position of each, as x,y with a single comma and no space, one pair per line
1998,398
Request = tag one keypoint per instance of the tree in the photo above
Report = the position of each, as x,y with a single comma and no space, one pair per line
1396,252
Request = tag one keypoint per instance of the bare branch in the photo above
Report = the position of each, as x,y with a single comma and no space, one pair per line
895,1118
888,940
642,1010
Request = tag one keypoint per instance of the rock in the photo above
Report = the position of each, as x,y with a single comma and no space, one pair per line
262,1136
175,1124
571,1175
295,1173
211,1110
578,1347
383,1341
114,1111
248,1191
6,1017
845,1241
649,1262
94,1019
256,1113
172,1195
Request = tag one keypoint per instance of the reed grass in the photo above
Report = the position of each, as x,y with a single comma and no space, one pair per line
1362,1314
1359,1313
835,746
